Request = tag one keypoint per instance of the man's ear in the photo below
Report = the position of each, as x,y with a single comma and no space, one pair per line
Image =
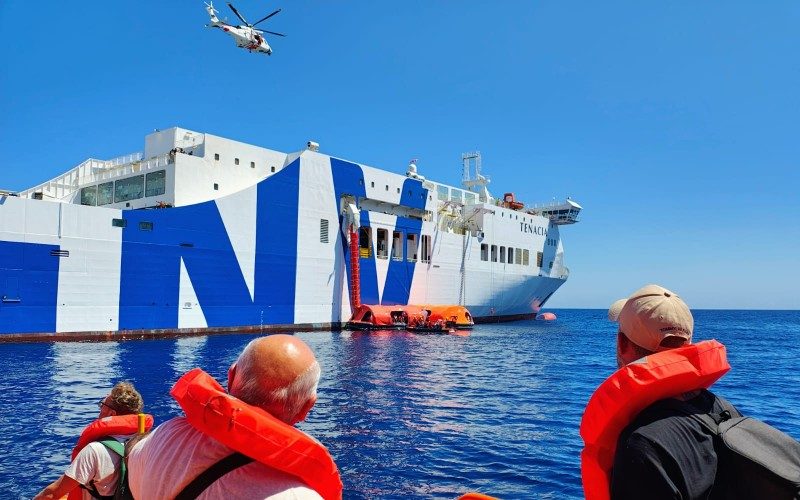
622,348
306,408
231,375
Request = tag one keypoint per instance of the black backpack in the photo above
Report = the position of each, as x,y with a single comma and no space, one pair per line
756,460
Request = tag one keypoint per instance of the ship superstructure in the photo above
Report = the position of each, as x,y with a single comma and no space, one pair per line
200,233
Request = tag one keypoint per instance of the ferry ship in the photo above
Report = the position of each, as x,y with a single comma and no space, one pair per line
202,234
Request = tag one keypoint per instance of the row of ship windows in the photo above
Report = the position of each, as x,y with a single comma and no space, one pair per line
515,217
401,247
444,193
509,255
410,250
506,255
130,188
143,225
236,162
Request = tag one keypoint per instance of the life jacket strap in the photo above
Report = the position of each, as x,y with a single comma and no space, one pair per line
115,446
119,449
208,476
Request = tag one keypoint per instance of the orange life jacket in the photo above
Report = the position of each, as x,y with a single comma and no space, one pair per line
104,427
255,433
630,390
109,426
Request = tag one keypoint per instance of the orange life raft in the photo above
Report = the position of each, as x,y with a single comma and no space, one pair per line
412,317
453,316
375,317
630,390
255,433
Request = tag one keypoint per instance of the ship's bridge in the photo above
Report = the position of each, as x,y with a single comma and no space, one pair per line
178,167
559,213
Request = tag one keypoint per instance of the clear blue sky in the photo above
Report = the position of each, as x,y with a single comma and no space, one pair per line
675,124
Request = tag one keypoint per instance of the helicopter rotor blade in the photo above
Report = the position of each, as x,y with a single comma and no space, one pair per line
237,13
272,33
267,17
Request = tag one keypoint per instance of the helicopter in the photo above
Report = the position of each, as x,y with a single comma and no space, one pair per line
246,36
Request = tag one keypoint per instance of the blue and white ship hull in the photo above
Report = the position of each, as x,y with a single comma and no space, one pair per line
267,251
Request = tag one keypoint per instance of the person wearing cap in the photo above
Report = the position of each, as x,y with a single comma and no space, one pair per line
653,319
661,452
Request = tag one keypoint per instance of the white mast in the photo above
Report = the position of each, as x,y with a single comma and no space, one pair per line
479,182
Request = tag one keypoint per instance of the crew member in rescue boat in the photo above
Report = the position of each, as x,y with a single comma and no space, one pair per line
277,374
96,468
636,446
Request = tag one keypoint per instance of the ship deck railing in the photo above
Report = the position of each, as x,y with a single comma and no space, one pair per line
93,170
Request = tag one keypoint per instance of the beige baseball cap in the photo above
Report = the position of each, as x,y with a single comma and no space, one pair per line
651,315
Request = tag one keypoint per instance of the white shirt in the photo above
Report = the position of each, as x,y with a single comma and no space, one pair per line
168,459
98,465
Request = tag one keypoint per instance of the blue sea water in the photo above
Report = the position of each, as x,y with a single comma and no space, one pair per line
404,415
